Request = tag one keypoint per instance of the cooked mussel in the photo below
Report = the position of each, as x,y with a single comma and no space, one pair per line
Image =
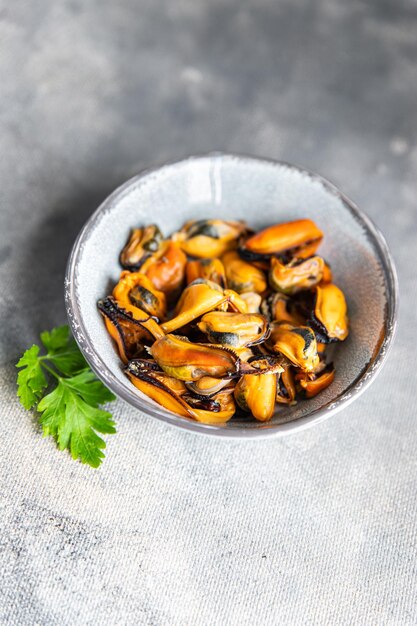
242,276
299,238
142,243
286,388
327,274
134,288
149,368
165,390
200,297
298,344
130,330
234,329
330,313
188,361
252,325
279,308
210,269
166,268
264,363
210,238
256,393
173,395
221,408
196,299
296,275
209,386
244,353
253,301
121,296
311,385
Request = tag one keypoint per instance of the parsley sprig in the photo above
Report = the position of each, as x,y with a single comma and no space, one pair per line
67,395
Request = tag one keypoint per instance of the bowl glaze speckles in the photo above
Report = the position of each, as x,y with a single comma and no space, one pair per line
262,192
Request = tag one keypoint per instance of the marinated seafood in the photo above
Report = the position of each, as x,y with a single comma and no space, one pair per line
217,320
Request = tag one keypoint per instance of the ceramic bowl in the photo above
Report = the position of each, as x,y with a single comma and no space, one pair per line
262,192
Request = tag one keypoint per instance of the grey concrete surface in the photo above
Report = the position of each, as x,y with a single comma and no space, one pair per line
176,529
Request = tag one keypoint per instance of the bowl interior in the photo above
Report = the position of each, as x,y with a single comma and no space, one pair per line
262,193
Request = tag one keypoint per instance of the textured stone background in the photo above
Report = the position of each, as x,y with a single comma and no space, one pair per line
176,529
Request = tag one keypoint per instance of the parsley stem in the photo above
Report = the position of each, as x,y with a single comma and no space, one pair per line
48,356
51,371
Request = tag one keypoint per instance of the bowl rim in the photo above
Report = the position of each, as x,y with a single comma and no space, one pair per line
351,393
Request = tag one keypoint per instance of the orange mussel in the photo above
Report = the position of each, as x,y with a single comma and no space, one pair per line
217,318
299,238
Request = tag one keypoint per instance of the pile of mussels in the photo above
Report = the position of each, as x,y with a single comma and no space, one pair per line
217,319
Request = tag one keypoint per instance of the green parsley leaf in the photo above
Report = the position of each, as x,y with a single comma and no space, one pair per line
70,412
63,350
90,388
56,339
67,417
31,380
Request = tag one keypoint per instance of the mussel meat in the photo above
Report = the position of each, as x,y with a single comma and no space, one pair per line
222,408
264,364
173,395
166,268
286,389
312,385
327,274
216,315
330,313
279,308
209,386
253,301
321,348
136,289
165,390
130,331
298,344
256,393
142,243
210,238
210,269
299,238
200,297
234,329
187,361
244,353
296,275
242,276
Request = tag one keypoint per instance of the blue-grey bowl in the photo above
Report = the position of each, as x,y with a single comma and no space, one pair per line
262,192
